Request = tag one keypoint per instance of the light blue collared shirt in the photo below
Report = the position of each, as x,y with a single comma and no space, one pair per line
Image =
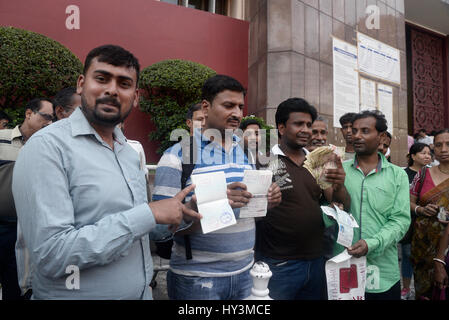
82,205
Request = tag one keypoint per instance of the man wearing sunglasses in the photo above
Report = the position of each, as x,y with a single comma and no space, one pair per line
38,114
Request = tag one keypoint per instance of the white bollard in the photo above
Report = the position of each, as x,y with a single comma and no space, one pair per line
261,276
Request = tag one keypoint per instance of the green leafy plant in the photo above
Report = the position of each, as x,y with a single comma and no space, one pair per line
169,87
32,65
264,126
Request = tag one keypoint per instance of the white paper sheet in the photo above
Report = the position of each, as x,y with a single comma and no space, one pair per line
346,277
257,183
212,201
367,94
385,98
345,79
346,223
378,59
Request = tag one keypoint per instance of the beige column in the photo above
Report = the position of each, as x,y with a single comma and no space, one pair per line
236,9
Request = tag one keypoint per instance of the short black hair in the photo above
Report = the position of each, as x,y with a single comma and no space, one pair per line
194,107
36,104
389,135
381,122
245,123
114,55
446,130
414,149
346,118
64,98
219,83
3,115
422,130
293,105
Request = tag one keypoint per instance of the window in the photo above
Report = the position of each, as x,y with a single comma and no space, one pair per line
223,7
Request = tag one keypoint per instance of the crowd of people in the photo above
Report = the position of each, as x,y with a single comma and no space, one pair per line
74,197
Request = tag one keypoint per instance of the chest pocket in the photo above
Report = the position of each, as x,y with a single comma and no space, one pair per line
381,200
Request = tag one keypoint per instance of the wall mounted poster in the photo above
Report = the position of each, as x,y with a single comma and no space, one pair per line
345,79
385,98
378,60
367,94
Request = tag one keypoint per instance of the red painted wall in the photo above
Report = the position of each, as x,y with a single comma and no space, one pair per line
151,30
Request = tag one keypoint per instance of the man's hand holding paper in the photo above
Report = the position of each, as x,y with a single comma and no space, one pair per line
335,176
274,195
346,223
212,201
258,183
238,195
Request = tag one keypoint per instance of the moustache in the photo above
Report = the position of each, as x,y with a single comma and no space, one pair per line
234,119
108,100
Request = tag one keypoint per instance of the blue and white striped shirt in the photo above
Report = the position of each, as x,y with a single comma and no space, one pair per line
224,252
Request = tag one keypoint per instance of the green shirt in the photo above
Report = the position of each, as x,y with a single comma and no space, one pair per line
380,203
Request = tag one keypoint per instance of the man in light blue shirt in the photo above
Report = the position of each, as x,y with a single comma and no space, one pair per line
81,196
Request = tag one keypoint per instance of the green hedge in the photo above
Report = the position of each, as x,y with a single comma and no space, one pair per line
169,88
31,66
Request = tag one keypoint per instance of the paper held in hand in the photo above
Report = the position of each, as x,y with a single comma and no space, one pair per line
346,223
321,159
212,201
257,183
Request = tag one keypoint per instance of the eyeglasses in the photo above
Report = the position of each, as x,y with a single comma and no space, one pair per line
48,117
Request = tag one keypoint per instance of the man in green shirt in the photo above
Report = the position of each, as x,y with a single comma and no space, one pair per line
380,202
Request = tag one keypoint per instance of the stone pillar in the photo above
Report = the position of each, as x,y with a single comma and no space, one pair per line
290,55
237,9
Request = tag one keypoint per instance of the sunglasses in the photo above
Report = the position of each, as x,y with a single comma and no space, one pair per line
48,117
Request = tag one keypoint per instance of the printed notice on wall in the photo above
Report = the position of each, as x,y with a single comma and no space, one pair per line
385,98
378,59
346,79
367,94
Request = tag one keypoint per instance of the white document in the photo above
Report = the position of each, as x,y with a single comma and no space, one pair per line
212,201
346,223
257,183
367,94
385,97
378,59
345,79
346,277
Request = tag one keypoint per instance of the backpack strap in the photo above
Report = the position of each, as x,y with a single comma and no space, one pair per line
187,169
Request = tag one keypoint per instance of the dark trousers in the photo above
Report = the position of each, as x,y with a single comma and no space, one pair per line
393,294
8,266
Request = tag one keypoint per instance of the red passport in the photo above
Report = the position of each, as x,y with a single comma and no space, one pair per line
348,278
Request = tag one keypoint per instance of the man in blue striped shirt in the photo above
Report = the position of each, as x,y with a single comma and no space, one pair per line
219,268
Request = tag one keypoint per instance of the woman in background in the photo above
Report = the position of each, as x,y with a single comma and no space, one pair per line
418,157
429,199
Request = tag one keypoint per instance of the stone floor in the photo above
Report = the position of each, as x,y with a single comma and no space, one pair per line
160,267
